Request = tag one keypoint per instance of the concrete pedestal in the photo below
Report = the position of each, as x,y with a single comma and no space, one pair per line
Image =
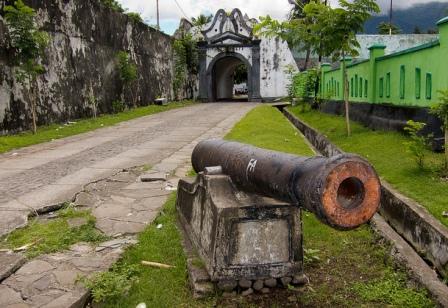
240,236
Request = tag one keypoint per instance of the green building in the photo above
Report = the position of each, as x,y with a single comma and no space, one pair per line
411,77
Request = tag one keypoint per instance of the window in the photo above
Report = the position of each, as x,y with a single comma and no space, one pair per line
381,87
428,86
337,88
402,82
388,85
366,88
418,83
360,87
351,88
356,85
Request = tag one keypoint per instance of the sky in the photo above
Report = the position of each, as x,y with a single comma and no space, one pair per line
170,12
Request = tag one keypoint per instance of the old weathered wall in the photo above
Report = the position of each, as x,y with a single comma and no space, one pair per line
80,62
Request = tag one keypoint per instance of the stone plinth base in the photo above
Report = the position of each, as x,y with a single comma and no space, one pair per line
243,240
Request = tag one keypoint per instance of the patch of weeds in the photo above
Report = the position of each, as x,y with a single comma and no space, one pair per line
311,256
53,235
146,168
192,173
112,284
391,289
197,262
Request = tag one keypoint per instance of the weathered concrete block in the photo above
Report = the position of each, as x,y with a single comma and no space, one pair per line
161,101
238,235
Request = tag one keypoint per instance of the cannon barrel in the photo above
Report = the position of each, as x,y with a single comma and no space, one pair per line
342,191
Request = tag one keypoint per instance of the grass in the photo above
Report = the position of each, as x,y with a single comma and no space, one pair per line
156,287
345,268
386,151
57,131
49,236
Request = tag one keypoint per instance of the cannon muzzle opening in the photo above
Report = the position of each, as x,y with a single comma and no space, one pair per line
351,195
342,191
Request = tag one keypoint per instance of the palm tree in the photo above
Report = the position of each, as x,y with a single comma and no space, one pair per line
201,20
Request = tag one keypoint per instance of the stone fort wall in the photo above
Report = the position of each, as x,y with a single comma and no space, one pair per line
80,62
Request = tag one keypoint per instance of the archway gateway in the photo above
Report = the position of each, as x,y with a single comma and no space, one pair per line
222,76
228,43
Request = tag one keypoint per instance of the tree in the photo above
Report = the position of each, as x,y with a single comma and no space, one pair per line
128,73
201,20
417,30
441,110
338,28
27,44
387,28
297,9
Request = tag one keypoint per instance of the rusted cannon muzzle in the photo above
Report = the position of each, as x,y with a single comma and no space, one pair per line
342,191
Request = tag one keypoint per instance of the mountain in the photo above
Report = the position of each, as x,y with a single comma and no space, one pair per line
424,16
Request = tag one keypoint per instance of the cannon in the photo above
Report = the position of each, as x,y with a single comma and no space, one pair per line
242,213
342,191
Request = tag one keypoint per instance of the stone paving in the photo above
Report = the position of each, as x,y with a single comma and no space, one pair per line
97,171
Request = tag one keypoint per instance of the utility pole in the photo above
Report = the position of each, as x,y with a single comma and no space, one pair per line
158,16
390,18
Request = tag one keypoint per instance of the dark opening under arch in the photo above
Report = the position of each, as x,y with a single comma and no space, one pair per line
220,76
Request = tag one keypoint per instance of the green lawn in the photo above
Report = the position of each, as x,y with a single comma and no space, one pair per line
346,269
57,131
385,150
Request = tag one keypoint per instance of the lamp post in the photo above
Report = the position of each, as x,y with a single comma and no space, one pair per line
390,17
158,17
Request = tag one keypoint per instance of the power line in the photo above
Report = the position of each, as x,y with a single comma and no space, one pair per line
180,8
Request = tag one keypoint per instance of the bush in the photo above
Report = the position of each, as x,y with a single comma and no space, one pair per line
418,144
135,17
118,106
114,5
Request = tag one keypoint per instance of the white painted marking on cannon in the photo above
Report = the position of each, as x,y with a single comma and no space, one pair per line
250,167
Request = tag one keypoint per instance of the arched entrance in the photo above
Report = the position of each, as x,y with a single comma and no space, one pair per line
230,80
226,79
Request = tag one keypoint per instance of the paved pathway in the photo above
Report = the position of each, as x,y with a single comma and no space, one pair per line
97,170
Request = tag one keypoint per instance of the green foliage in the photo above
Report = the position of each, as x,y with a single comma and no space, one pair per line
128,75
112,284
441,111
118,106
201,20
417,146
311,256
304,83
128,70
54,235
185,60
113,4
135,17
27,44
391,290
24,38
386,28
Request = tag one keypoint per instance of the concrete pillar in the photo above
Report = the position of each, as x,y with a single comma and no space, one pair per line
254,78
376,51
203,82
325,67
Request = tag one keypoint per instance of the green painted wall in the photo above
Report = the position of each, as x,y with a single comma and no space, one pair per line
410,77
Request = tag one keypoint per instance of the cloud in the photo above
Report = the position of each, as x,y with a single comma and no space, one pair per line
170,13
